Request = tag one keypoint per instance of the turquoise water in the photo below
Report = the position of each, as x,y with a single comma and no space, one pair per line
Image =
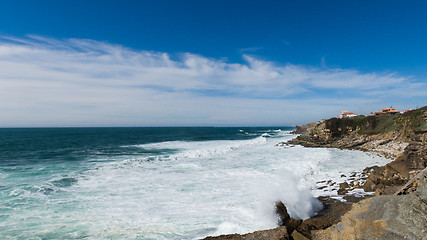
156,183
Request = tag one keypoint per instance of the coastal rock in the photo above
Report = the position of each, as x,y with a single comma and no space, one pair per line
409,163
282,212
286,223
383,217
280,233
285,219
298,236
402,137
342,191
344,188
302,129
355,199
387,135
344,185
330,214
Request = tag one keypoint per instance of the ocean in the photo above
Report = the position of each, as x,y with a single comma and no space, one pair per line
159,183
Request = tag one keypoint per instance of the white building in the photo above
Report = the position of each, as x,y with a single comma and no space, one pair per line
346,114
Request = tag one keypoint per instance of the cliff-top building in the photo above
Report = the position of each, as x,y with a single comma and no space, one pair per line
346,114
388,110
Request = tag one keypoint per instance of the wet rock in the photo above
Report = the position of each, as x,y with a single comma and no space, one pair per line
330,214
282,212
344,185
342,191
330,182
383,217
285,219
280,233
284,144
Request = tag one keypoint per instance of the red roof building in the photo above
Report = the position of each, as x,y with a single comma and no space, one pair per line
388,110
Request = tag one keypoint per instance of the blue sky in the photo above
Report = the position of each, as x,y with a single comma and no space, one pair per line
207,63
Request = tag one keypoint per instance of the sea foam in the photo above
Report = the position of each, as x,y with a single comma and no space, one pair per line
185,189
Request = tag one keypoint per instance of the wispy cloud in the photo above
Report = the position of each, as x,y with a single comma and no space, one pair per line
251,49
84,82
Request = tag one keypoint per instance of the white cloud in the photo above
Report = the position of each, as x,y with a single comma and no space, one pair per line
84,82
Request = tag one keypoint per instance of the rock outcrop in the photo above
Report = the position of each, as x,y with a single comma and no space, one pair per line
402,137
330,214
386,179
384,217
285,219
284,232
280,233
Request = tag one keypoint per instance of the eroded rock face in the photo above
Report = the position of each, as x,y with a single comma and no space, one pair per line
386,179
282,213
386,135
384,217
285,219
401,137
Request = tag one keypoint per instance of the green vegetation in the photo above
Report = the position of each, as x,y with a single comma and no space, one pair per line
418,120
383,124
339,126
412,121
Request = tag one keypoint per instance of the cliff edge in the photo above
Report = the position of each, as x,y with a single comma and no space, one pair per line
401,211
402,137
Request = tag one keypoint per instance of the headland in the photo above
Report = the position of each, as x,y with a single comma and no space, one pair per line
399,208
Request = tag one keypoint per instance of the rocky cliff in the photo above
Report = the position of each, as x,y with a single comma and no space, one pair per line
402,137
385,134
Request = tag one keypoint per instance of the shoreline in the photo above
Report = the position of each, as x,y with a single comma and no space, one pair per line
334,207
403,139
351,182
